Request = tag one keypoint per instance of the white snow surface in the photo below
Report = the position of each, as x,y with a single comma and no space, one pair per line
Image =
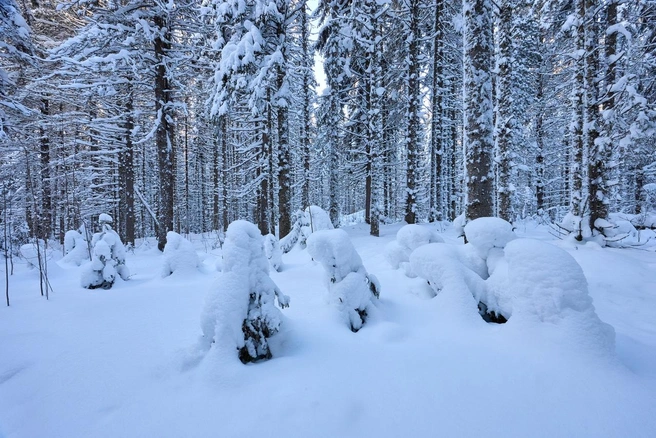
92,363
179,255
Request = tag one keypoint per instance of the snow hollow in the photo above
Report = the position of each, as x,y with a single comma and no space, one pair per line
576,357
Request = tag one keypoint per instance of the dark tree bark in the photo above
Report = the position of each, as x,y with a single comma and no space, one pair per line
437,118
413,115
478,47
165,134
126,174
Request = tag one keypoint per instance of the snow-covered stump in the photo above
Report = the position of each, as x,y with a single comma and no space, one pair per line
409,238
349,285
179,255
240,314
107,258
273,252
76,248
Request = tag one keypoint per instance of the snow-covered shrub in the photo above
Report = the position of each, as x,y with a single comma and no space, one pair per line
179,255
289,241
107,258
76,248
540,283
466,267
30,253
409,238
349,284
304,223
240,314
486,233
273,252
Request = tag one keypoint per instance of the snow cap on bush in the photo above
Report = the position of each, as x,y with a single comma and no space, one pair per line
179,255
240,313
486,233
350,287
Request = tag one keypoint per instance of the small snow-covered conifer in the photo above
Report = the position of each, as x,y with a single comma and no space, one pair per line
107,258
179,255
349,284
75,246
273,252
240,315
409,238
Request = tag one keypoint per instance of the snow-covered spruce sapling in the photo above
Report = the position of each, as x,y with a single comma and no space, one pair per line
409,238
107,258
75,248
304,223
179,255
240,314
349,285
273,252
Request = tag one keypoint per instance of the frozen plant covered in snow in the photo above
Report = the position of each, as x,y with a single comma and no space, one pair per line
240,314
349,284
273,252
179,255
536,283
486,233
305,223
409,238
75,247
107,258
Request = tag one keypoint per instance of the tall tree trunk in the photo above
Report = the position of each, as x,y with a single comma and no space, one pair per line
165,134
126,173
45,219
437,119
306,121
597,190
413,114
576,127
284,163
478,49
504,111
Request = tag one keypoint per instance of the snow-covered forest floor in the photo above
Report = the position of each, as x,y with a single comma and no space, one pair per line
125,362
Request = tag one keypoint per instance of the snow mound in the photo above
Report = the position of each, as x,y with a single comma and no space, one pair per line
486,233
273,252
30,253
76,249
350,287
240,312
409,238
179,255
540,283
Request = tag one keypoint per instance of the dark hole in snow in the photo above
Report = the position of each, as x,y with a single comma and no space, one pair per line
488,316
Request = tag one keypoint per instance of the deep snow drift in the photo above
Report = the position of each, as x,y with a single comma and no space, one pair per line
128,361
